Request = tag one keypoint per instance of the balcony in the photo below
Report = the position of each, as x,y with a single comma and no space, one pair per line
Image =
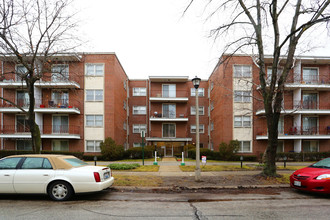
300,107
159,117
43,106
168,139
308,82
47,131
169,96
296,132
60,82
63,82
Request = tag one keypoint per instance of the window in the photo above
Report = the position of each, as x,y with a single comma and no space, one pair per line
20,71
193,110
169,111
244,147
193,128
10,163
137,145
139,110
60,72
309,101
60,124
242,96
60,145
60,98
280,147
200,91
95,69
168,130
212,126
139,91
124,105
309,125
310,146
94,95
169,91
242,71
310,75
242,121
36,163
22,124
23,99
270,72
281,125
23,145
93,146
94,120
137,128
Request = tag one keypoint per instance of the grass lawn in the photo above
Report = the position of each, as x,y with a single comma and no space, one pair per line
125,180
146,168
209,168
137,160
290,167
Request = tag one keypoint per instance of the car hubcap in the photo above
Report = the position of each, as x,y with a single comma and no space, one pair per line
60,191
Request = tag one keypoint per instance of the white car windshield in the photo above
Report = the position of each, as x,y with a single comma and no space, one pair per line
75,162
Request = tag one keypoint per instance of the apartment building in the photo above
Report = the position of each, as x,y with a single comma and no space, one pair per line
78,104
93,99
164,107
237,110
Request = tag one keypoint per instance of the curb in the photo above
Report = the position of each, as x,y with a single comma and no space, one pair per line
182,188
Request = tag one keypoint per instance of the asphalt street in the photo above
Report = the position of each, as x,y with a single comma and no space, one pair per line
234,204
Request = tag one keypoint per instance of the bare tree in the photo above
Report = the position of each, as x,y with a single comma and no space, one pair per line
32,33
256,25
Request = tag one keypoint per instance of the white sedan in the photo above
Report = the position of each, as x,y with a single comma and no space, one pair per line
59,176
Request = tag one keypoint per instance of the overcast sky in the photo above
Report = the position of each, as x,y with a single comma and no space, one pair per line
151,37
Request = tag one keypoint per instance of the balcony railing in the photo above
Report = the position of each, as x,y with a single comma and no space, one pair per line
168,116
46,129
298,130
169,94
44,103
317,80
298,105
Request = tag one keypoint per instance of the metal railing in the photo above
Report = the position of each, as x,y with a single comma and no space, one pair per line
46,129
297,130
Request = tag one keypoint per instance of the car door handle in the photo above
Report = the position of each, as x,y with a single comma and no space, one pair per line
46,175
7,175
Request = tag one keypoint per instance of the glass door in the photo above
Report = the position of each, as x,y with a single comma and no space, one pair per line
169,91
60,124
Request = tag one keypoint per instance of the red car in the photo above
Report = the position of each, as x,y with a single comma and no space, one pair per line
315,178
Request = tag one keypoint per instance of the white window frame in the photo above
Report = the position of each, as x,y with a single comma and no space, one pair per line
172,92
138,110
242,119
241,96
193,110
241,144
200,92
61,75
94,121
136,144
94,72
95,142
193,129
171,112
140,91
242,74
174,129
25,141
317,142
137,128
93,91
53,141
309,80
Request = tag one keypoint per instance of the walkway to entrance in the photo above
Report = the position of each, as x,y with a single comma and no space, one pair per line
166,167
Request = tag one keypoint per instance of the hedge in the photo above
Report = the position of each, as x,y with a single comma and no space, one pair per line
213,155
5,153
308,156
123,166
136,152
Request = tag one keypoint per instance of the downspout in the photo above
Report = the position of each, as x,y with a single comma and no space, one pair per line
127,115
148,102
2,69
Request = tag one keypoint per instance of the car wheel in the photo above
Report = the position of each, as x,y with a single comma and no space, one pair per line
60,191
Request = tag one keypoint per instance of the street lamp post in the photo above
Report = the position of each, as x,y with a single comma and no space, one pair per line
196,81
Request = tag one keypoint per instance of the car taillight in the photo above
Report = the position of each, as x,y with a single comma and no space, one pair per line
97,177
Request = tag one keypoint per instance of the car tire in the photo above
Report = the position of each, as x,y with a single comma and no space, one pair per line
60,191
